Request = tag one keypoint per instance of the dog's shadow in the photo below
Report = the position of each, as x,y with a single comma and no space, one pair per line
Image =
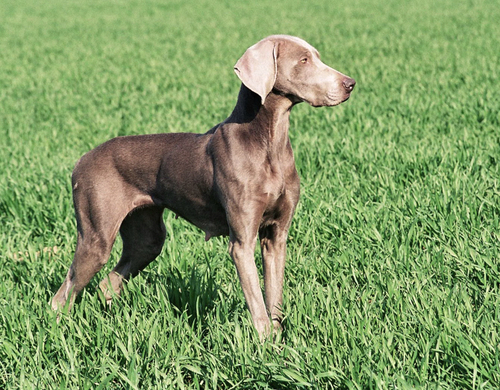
193,293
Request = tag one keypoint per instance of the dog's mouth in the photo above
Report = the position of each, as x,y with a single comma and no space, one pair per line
330,99
333,99
346,98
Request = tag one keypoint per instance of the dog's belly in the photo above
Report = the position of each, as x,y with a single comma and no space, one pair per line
209,217
212,227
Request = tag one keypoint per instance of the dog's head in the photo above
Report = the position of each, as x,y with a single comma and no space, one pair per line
292,67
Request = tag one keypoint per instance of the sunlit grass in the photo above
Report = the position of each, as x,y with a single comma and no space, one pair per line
392,276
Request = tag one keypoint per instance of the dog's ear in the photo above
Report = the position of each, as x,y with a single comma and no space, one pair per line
257,68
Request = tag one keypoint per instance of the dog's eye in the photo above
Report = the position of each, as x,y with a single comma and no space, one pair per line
303,60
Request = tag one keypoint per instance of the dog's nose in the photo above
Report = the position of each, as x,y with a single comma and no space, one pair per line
349,84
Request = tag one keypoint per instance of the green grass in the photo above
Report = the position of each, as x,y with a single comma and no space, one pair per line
393,276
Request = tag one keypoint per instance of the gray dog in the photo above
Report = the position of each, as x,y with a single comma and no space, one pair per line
238,179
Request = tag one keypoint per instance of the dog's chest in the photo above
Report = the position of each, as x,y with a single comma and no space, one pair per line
282,187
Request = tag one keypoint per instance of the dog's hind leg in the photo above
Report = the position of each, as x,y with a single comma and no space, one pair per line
143,234
94,242
102,201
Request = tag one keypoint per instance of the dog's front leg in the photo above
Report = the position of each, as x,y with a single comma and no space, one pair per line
242,252
273,246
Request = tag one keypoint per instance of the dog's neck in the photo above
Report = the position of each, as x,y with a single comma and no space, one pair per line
271,119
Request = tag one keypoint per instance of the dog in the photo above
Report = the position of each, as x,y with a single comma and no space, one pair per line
238,180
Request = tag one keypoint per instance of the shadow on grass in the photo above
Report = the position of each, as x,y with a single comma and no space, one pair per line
194,292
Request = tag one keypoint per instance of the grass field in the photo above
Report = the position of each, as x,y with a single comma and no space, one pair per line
393,276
